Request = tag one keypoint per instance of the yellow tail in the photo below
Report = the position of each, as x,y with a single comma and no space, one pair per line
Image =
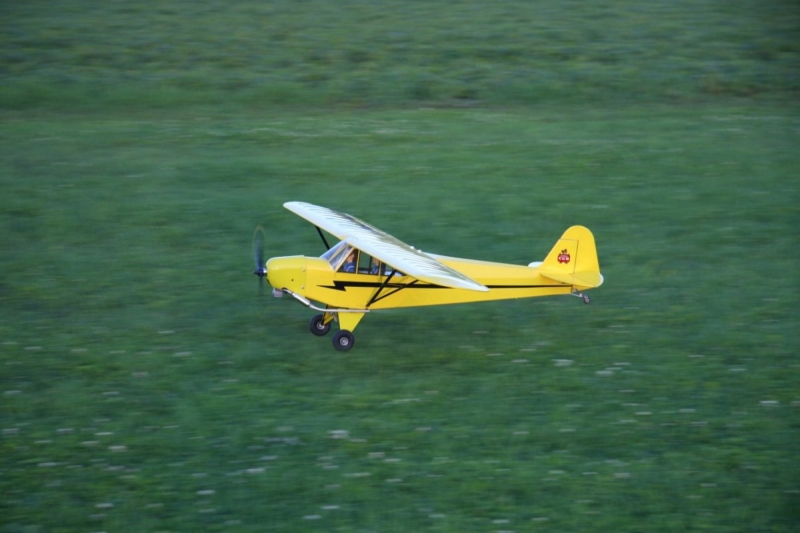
573,260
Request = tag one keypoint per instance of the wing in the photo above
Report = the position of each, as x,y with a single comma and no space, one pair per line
383,246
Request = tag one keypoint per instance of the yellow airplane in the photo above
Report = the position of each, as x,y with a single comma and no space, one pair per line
368,270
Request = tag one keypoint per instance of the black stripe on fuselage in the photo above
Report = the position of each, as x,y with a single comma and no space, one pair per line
343,285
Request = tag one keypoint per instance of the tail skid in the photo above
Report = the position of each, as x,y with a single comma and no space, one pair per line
573,260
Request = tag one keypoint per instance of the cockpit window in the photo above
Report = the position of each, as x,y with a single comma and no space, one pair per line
350,264
336,255
362,263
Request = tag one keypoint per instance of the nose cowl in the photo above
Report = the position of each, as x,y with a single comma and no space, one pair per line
287,273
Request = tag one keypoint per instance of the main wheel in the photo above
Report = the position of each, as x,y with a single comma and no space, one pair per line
318,326
343,340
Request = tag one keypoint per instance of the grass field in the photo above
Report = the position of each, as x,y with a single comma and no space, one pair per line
161,54
146,386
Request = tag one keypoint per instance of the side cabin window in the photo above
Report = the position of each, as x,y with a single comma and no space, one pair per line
337,255
350,264
372,265
345,258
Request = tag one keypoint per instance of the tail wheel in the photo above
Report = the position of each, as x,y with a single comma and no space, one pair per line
318,326
343,340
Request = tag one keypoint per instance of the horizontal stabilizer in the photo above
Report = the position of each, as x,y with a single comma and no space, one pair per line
582,279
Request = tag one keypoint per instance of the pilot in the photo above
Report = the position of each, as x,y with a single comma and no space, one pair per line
350,263
376,266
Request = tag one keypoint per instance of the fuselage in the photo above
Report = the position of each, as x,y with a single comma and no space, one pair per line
369,269
315,279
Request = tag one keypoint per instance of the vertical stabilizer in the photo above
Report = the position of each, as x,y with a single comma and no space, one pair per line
573,259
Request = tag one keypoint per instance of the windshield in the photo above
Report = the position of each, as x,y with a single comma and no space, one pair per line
337,254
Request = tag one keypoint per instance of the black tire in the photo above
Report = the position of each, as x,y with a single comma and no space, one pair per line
317,326
343,340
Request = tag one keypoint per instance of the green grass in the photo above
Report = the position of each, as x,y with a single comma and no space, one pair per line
146,386
141,370
174,53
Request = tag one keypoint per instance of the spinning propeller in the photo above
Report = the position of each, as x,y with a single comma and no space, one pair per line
258,256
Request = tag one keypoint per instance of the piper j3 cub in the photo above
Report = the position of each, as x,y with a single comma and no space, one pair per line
368,270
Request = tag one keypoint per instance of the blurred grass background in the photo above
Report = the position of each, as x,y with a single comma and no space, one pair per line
317,52
146,386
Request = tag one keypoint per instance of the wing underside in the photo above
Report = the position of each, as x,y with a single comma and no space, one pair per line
384,247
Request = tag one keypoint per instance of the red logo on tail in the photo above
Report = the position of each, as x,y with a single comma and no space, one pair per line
563,257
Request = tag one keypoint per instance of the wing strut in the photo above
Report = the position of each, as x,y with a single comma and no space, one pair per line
324,240
377,297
